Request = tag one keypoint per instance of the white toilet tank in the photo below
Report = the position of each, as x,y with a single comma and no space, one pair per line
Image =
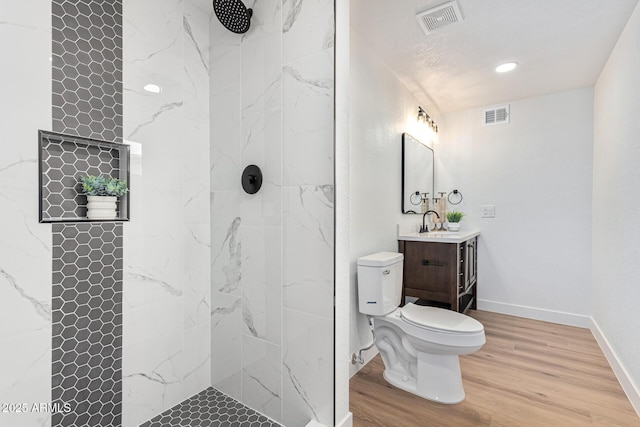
379,283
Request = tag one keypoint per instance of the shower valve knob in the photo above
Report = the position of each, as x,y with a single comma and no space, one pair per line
251,179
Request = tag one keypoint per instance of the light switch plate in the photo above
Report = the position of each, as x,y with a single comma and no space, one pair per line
488,211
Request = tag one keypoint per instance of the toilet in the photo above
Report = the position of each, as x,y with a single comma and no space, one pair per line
419,345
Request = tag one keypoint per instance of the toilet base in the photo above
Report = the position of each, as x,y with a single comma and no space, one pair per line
438,378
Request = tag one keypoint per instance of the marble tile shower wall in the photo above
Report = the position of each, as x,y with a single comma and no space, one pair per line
167,351
25,245
272,253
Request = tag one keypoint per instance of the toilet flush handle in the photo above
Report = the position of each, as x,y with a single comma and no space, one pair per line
385,272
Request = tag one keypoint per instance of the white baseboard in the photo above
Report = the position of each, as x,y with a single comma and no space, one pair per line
560,317
347,421
631,390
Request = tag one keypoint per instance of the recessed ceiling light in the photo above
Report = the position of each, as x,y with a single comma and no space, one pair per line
506,67
153,88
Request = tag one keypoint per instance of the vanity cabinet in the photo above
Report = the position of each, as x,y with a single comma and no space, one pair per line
442,273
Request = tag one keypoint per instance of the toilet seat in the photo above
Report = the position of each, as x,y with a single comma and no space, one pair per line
440,320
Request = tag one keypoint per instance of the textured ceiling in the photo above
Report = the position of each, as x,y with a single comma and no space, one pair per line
560,45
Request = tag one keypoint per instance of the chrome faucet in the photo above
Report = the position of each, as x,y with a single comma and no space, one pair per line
425,228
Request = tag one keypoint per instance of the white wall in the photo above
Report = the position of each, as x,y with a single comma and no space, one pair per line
381,109
25,245
343,417
616,244
535,255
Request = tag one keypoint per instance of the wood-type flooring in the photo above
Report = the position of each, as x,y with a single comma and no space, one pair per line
529,373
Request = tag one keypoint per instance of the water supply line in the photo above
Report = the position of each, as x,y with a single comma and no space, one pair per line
357,358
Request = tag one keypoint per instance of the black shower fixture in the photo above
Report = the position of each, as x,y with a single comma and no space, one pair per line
251,179
233,14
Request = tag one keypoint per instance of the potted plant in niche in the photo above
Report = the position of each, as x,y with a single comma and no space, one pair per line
454,218
102,194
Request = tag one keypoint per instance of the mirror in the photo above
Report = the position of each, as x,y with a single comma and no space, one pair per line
417,174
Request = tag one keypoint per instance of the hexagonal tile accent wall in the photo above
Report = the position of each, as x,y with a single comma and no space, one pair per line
87,256
87,68
87,324
63,160
210,407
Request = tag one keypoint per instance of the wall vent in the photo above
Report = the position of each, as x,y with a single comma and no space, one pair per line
438,17
496,115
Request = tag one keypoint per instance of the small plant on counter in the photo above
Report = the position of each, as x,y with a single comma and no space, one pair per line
454,216
103,186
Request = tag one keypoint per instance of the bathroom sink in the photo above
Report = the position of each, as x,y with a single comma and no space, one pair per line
439,236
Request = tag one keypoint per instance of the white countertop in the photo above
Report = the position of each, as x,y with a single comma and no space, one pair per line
439,236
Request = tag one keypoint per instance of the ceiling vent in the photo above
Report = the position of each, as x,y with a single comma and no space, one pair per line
496,115
438,17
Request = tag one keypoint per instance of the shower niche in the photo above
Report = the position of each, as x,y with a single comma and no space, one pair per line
62,160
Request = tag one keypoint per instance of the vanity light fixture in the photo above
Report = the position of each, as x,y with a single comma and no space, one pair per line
425,118
422,115
506,67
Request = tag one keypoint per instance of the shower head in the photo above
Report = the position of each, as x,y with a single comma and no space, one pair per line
233,14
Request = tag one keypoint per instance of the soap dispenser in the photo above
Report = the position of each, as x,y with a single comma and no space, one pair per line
425,202
440,206
436,208
442,209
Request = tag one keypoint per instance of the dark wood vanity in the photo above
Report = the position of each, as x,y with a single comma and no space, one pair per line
441,271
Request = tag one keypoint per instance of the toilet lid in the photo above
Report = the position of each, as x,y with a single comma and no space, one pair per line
380,259
440,319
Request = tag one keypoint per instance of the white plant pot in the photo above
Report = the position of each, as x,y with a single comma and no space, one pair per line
102,207
454,226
